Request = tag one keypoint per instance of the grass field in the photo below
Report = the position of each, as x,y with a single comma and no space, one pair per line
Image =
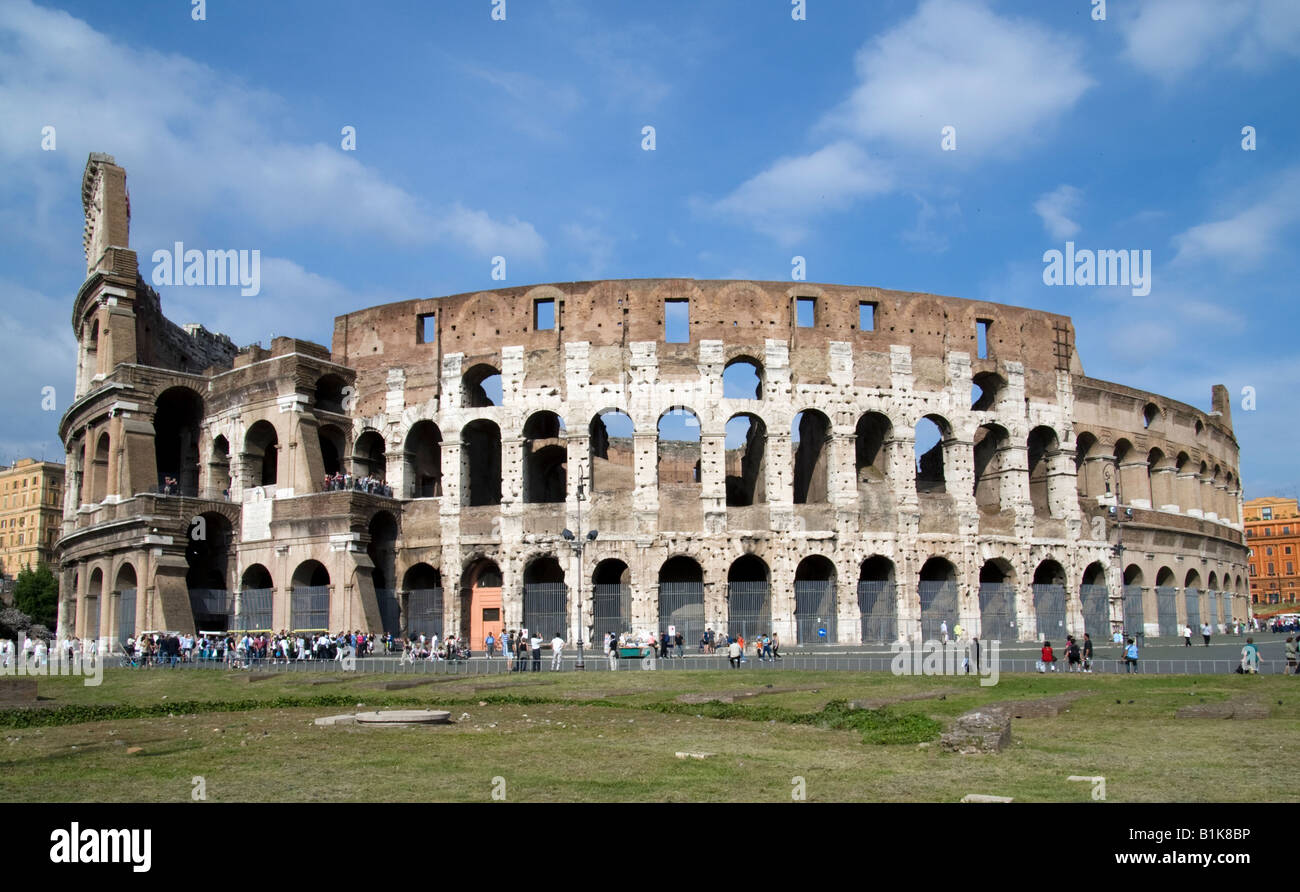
613,736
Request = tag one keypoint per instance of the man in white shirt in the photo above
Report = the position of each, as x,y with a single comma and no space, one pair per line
535,645
557,652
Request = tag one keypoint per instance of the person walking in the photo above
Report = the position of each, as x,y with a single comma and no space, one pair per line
943,631
1205,633
1087,652
1250,658
1187,636
1073,655
680,640
557,652
1291,655
489,644
1131,657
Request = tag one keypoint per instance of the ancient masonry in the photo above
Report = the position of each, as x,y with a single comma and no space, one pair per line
745,453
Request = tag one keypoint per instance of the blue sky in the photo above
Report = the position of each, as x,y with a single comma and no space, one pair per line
773,138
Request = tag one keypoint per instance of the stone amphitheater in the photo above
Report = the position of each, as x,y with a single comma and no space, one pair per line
832,463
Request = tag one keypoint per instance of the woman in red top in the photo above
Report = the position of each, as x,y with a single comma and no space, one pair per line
1048,658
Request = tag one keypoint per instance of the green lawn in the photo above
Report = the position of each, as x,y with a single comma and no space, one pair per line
612,736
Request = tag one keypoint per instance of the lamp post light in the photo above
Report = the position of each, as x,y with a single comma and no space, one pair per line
579,544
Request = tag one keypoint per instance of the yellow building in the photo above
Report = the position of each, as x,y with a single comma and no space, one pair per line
31,513
1273,532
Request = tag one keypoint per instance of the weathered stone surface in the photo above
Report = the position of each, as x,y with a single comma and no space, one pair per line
982,730
981,797
1046,708
404,717
695,755
1233,709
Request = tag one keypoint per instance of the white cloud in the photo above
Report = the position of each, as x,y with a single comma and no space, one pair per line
998,80
1169,38
595,244
1056,209
781,200
1247,237
175,121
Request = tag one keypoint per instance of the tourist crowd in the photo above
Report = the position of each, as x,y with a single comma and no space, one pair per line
368,484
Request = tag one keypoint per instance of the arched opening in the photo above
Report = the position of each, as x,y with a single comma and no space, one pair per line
1186,485
1134,612
877,604
997,595
991,452
1094,598
423,458
681,597
811,439
178,414
94,594
546,598
931,433
742,379
422,604
1167,603
1192,600
985,390
480,592
1132,474
124,603
1160,480
816,618
1150,416
481,387
207,551
262,454
368,456
255,600
1050,600
99,470
1088,461
219,469
937,588
612,452
1043,447
611,599
309,604
678,449
329,393
545,459
382,551
481,463
749,597
746,446
870,457
332,448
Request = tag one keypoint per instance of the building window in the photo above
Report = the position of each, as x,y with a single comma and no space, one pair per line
426,328
677,321
1269,550
805,312
544,314
866,316
982,328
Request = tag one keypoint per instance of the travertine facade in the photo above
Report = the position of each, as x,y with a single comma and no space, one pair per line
813,517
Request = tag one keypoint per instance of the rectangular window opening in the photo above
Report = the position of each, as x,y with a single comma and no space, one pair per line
426,328
544,314
866,317
677,321
805,312
982,327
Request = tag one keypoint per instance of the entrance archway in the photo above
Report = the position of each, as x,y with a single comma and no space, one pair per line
480,592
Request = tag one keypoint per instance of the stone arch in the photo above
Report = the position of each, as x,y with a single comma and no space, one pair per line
261,455
937,589
742,378
124,603
877,600
749,597
612,451
93,604
309,600
874,434
816,610
177,423
681,596
99,481
811,440
997,600
219,468
545,597
545,459
986,390
678,448
422,460
329,393
1089,456
931,465
611,598
370,455
1051,599
746,460
422,602
1043,448
481,387
480,463
991,457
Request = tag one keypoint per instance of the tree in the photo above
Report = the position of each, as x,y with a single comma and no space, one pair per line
36,593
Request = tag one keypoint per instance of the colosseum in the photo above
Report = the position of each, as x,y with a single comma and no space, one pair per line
834,463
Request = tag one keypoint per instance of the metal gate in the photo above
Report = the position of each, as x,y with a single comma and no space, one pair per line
1193,609
212,608
424,612
309,607
1049,607
611,611
1216,609
938,605
545,613
749,609
125,615
1167,611
997,611
1134,621
681,604
255,610
1095,601
877,607
815,610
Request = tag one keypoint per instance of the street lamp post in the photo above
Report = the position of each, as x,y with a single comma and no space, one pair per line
579,544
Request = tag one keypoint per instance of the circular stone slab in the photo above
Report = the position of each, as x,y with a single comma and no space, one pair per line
404,717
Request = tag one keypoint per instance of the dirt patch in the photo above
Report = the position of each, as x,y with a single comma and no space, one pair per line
881,702
1233,709
1046,708
733,696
